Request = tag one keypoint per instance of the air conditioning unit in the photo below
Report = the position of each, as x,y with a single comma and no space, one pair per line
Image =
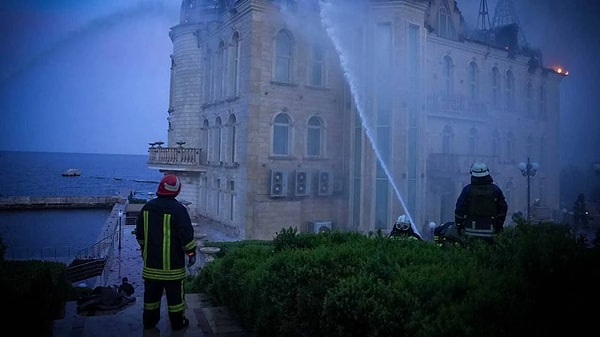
319,226
324,183
279,184
301,185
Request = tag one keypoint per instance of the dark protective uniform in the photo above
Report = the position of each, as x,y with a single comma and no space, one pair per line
447,234
481,208
580,213
408,233
165,234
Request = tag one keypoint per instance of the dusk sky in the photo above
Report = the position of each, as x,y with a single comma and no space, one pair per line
92,76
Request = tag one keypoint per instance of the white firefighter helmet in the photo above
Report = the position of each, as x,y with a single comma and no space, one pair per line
479,169
402,223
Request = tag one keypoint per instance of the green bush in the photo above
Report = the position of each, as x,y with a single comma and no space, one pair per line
537,279
36,290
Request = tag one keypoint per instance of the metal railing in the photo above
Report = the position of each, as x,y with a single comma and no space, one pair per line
178,156
456,105
56,254
99,250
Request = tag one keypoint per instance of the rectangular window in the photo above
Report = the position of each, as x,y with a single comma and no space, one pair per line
231,200
282,69
383,106
313,142
317,66
280,143
218,196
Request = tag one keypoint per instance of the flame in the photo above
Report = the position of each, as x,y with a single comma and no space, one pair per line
560,70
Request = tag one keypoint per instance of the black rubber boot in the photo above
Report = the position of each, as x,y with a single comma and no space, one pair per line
178,321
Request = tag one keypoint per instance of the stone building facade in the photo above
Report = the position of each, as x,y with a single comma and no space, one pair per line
321,114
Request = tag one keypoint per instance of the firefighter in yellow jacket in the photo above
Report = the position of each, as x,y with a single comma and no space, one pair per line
165,234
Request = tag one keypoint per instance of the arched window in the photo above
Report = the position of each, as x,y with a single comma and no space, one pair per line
208,77
473,138
510,147
443,22
495,87
542,106
231,135
496,144
510,90
204,141
447,135
314,136
218,141
529,105
281,135
473,80
509,190
448,75
220,71
234,68
283,56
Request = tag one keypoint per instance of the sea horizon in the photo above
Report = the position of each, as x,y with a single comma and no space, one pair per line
32,173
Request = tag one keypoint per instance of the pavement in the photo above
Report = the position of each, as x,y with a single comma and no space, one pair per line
205,319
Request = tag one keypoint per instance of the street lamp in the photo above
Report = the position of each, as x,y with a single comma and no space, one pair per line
528,170
120,217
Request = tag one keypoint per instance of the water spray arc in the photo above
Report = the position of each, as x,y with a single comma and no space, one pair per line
141,9
326,8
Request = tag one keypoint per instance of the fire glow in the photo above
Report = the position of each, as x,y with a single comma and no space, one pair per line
561,71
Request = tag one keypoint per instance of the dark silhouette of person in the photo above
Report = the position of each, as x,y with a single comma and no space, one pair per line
165,234
580,213
481,207
126,288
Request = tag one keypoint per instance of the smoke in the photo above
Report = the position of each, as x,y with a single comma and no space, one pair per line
343,21
567,33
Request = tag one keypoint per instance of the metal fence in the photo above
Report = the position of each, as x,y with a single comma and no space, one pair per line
57,254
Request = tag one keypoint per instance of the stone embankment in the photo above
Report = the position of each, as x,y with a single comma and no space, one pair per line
28,202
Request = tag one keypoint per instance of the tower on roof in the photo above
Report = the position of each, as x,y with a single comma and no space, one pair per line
506,14
483,20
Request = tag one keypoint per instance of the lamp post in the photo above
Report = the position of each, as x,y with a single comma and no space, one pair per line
120,217
528,170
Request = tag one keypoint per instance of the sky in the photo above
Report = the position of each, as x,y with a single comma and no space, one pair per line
93,76
85,76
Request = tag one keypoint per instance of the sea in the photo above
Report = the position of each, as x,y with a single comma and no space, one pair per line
55,233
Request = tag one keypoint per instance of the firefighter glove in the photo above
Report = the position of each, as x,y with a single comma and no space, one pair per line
191,259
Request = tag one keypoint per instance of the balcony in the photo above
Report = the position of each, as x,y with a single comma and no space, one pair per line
456,106
175,159
450,165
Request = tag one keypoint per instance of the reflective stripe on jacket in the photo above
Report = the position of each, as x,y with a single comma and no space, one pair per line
165,233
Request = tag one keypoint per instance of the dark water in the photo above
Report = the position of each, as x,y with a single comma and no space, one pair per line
40,174
45,233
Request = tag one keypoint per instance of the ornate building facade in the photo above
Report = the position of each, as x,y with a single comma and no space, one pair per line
320,114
